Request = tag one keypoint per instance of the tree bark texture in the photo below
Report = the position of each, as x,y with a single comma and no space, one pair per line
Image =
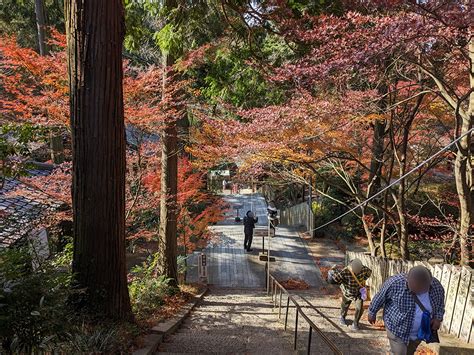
463,171
95,31
41,25
168,235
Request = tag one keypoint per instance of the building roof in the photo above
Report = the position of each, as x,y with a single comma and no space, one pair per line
21,206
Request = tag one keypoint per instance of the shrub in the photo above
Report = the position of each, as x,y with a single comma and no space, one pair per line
147,290
36,314
32,302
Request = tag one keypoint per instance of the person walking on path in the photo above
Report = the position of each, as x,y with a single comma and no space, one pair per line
412,304
249,226
352,280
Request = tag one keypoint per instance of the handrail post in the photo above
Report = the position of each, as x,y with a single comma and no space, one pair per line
275,298
309,339
279,307
267,284
275,285
296,327
273,288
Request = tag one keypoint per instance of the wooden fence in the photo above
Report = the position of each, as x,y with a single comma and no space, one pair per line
298,215
458,283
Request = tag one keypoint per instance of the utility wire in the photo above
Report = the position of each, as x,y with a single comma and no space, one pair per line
395,182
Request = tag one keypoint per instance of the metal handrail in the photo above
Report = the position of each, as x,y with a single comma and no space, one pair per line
272,288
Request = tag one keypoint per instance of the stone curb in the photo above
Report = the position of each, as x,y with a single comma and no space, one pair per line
168,327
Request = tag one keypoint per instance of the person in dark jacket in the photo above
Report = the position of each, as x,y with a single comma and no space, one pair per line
249,226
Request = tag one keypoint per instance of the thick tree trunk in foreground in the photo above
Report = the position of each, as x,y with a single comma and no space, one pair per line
95,32
169,186
41,25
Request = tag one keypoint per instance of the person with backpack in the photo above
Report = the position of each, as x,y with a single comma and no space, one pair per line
352,282
413,306
249,225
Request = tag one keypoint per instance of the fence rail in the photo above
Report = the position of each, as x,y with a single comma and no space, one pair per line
298,215
277,291
458,283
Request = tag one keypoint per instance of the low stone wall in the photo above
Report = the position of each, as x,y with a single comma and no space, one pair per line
458,283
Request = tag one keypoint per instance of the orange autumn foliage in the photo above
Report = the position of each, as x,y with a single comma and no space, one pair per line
197,208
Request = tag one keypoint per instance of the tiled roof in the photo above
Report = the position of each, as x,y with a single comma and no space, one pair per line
20,207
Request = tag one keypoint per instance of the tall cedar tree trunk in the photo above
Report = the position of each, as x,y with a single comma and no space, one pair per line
463,171
168,203
41,25
95,31
169,181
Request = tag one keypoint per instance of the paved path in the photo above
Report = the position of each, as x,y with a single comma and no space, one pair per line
231,266
231,321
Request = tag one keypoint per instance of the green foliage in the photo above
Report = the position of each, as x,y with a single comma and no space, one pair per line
139,22
33,310
182,264
147,290
35,314
17,17
322,213
229,77
169,39
101,339
311,7
15,147
174,31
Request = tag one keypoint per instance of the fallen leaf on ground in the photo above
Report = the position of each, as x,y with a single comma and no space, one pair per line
295,284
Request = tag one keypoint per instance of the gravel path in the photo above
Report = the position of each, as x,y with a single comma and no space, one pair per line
231,321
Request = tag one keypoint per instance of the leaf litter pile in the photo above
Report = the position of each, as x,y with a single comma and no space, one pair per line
295,284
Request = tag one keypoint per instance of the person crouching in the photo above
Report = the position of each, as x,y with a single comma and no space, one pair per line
352,283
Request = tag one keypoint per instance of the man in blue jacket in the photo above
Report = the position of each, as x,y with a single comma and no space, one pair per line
402,315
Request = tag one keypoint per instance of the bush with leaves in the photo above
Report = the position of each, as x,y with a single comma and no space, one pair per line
32,302
147,290
36,315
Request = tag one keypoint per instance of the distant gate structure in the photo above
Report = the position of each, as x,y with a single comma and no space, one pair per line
458,283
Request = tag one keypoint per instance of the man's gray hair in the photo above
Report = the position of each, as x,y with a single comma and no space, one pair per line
357,262
420,274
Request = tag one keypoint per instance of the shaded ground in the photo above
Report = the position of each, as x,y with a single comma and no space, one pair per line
231,321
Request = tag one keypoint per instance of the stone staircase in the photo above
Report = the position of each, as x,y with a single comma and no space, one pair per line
230,321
